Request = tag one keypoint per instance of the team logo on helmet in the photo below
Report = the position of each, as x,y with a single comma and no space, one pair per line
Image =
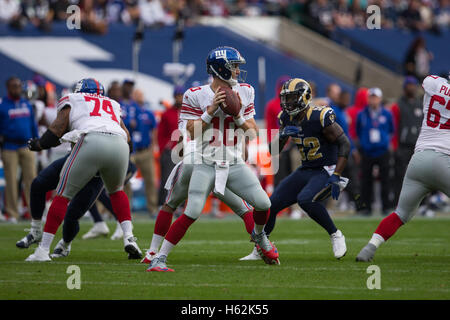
222,62
89,85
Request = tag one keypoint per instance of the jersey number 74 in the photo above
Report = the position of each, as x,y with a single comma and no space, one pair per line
106,107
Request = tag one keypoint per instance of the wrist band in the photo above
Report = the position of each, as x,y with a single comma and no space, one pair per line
239,121
206,117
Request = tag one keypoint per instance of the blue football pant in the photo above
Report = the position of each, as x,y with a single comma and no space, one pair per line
301,186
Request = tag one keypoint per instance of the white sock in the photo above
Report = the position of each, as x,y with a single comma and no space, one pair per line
376,240
156,242
46,242
127,228
259,228
36,226
165,248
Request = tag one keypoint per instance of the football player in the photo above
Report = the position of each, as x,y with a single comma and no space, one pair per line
177,194
324,149
217,163
91,121
47,180
429,167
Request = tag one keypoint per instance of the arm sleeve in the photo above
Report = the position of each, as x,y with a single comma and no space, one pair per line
248,111
63,102
190,109
428,84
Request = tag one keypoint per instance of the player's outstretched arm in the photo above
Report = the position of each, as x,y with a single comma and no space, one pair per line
55,131
281,139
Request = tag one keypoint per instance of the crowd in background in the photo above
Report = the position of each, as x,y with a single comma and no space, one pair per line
29,107
321,15
383,137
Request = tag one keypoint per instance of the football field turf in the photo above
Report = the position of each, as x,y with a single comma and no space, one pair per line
415,264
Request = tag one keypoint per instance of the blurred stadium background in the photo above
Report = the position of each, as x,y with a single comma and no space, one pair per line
161,44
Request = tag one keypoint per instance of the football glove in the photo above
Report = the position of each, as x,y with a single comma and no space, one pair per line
34,145
333,181
289,131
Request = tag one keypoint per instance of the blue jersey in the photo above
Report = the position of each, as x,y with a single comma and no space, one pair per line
17,123
314,149
141,135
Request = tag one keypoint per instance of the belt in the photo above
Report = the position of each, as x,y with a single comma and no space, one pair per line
142,149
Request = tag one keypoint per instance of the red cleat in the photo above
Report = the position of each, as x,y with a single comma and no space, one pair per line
149,256
265,247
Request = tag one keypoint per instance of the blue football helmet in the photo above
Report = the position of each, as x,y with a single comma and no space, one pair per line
89,85
221,63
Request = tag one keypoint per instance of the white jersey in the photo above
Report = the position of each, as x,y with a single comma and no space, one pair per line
435,131
218,141
91,113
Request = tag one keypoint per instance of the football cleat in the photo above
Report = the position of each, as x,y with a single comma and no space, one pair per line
158,264
132,248
338,243
118,234
39,255
60,250
149,256
265,248
28,240
367,253
98,229
254,255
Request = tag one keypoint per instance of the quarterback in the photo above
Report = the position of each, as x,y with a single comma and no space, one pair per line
218,164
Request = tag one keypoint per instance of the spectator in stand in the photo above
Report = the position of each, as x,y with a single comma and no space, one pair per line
152,13
59,8
408,117
216,8
39,13
143,137
341,15
418,59
166,128
442,15
9,10
17,126
393,10
374,127
93,18
321,12
358,11
272,110
411,18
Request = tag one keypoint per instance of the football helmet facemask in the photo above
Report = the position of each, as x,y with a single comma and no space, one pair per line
295,96
222,62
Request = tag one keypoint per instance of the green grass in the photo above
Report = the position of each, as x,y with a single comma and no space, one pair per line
415,264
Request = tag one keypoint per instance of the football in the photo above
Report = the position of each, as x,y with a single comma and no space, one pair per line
232,105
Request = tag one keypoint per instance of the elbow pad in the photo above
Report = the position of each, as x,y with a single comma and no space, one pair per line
343,146
49,140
